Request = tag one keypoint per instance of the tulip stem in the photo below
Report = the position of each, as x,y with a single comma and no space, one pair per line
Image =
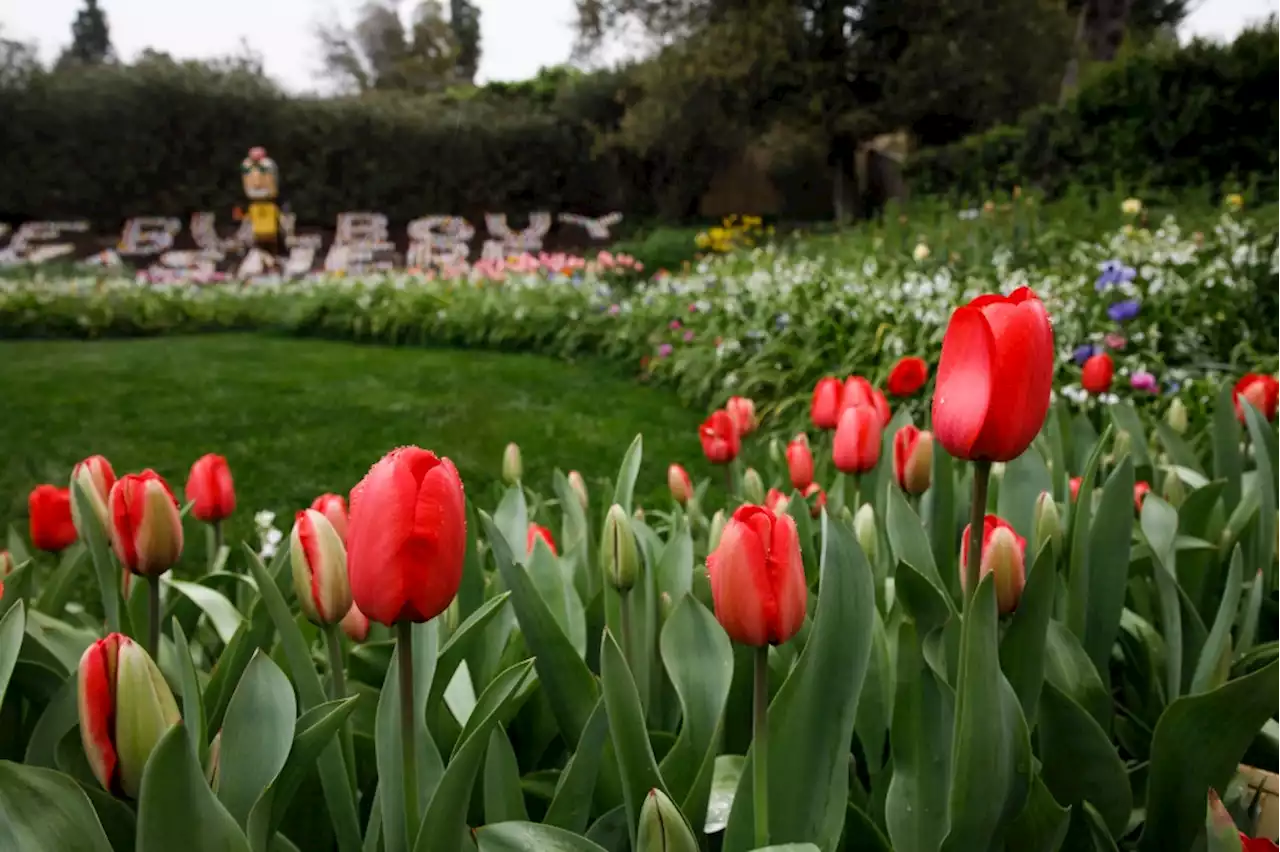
153,612
339,686
977,514
728,480
217,543
624,626
760,746
408,728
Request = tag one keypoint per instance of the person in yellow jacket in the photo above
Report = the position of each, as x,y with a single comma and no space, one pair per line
261,181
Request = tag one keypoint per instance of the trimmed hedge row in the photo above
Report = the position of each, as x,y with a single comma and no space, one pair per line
1200,116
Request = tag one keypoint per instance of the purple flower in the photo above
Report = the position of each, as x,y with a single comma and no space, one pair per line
688,336
1123,311
1144,381
664,350
1113,272
1083,353
614,310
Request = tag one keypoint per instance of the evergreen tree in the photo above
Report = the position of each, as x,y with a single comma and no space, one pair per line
464,20
90,37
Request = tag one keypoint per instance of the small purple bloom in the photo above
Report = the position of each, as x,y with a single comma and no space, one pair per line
1083,353
614,310
688,336
1173,387
1144,381
1113,272
664,350
1123,311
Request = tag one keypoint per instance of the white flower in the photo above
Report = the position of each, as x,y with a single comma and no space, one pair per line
264,518
920,252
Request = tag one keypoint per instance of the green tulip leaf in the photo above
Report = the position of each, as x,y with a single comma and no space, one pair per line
1225,435
221,612
1126,419
789,847
1088,832
1068,667
503,798
940,514
117,819
557,592
60,715
460,646
1024,479
798,509
61,585
192,699
571,805
1079,762
724,787
1221,833
1160,527
105,568
1215,656
1022,646
1178,450
575,538
1078,542
512,518
12,627
627,474
1109,538
1043,823
176,808
875,704
927,598
675,567
531,837
1263,438
861,832
256,736
41,809
636,764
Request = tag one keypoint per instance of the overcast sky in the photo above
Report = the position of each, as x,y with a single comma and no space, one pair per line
517,36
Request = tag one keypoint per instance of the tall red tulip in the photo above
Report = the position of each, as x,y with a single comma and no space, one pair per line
743,412
1140,491
859,391
49,513
209,486
907,376
719,436
537,531
1262,392
1004,554
679,483
994,377
95,478
857,442
824,411
334,508
407,537
800,463
319,568
757,577
913,459
1097,374
146,527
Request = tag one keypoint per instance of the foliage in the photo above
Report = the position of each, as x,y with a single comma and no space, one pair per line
464,21
380,53
90,37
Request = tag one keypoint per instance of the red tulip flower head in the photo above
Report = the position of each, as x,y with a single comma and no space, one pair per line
1004,554
857,443
817,499
49,511
680,485
800,463
209,486
6,565
913,459
334,508
355,624
1262,392
1140,491
1097,373
1257,844
536,531
146,527
125,706
319,564
407,537
719,437
824,411
1074,485
757,577
907,376
95,478
743,412
994,377
777,502
859,391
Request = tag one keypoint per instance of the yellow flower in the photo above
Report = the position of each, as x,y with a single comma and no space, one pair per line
988,206
921,251
1234,201
1131,206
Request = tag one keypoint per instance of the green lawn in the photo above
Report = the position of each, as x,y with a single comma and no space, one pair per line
296,418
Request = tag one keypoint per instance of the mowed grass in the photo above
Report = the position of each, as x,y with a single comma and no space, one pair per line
297,418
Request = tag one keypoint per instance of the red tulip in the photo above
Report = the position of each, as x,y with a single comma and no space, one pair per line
209,485
800,463
743,412
146,527
679,483
857,442
994,377
1097,373
536,532
1262,392
825,408
913,459
1140,492
319,565
859,391
1257,844
355,624
1004,553
407,537
719,437
757,577
95,477
777,502
1074,484
6,563
334,508
817,499
49,511
907,376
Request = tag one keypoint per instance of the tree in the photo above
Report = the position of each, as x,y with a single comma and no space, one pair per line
90,37
19,63
464,20
381,54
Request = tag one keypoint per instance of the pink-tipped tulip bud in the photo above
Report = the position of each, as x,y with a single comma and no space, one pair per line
95,478
864,529
1003,554
716,529
680,484
776,501
579,487
512,464
355,624
752,486
6,564
146,528
125,707
816,498
857,443
1048,523
913,459
663,827
757,577
210,489
800,462
333,507
319,568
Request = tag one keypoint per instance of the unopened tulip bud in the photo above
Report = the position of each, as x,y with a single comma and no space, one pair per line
6,564
665,606
638,514
752,486
319,568
619,556
864,529
1121,446
95,478
145,527
512,466
913,459
125,706
333,507
775,451
579,486
1048,523
679,483
1176,416
1003,554
355,624
1174,490
717,527
662,826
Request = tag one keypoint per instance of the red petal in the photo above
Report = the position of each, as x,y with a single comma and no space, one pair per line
436,547
963,391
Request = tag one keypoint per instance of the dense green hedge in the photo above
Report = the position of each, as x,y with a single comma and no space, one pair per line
116,142
1203,115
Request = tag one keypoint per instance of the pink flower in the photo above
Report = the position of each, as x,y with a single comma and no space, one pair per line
1115,341
688,336
1143,381
674,325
